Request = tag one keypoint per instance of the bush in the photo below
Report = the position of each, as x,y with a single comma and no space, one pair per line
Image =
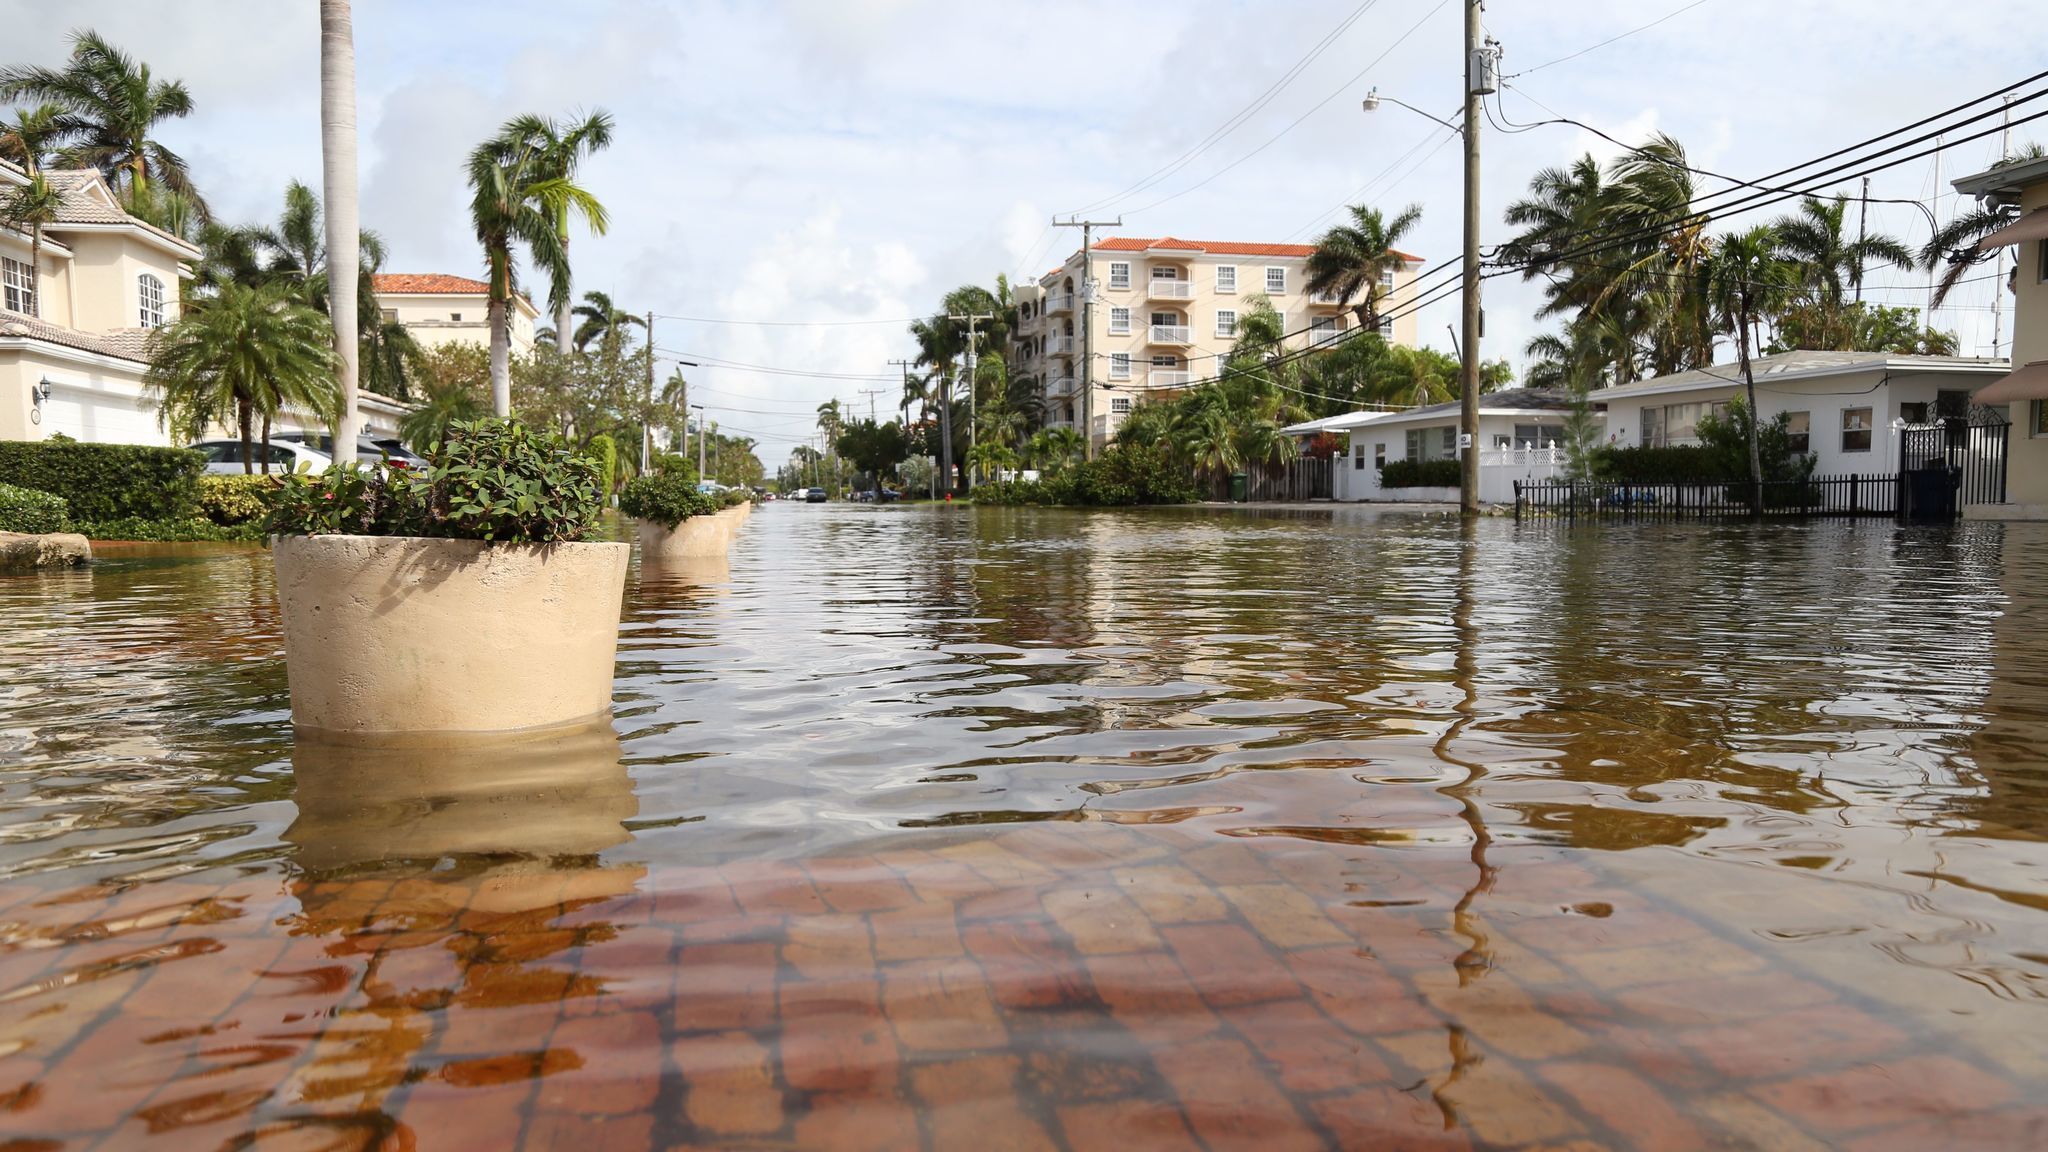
1721,456
489,479
107,481
233,500
1421,474
605,453
191,529
1013,492
667,499
27,510
1123,476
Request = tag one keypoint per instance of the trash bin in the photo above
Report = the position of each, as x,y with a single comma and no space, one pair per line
1240,487
1930,494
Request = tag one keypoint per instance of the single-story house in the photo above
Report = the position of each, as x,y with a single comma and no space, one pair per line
1843,408
2023,394
1520,433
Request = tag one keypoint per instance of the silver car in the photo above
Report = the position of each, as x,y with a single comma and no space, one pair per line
224,457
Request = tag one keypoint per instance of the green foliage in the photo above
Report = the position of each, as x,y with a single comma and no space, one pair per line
1421,474
1722,456
27,510
491,479
185,530
1122,476
453,382
232,500
242,354
604,451
1859,327
107,481
668,499
875,449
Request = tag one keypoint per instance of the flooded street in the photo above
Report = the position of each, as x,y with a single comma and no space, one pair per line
1037,829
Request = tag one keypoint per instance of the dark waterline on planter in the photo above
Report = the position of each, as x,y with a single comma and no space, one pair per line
955,828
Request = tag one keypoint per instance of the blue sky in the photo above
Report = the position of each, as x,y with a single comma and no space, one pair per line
852,160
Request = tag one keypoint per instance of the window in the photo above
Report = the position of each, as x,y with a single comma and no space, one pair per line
1165,319
2042,276
1226,322
151,291
1674,424
1538,436
1280,321
1450,442
1855,429
1914,412
1358,457
1121,405
1119,365
455,317
1799,431
1226,277
1276,280
1387,279
1165,272
1119,321
1653,427
19,298
2039,427
1166,360
1120,274
1379,456
1387,326
1433,443
390,315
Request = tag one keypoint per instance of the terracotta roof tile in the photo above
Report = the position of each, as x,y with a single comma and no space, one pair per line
430,283
1211,247
121,343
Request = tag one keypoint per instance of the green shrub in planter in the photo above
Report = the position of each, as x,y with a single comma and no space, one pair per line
27,510
232,500
667,499
490,479
1422,474
107,481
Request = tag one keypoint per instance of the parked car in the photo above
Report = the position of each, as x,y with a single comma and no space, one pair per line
814,496
224,457
369,450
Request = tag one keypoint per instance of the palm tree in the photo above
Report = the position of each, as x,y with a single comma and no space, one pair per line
32,207
1055,449
939,342
1830,264
601,318
565,145
1747,280
518,196
444,399
241,354
111,107
991,456
29,139
1955,244
1356,261
338,176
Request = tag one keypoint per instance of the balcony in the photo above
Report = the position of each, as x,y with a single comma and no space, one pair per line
1060,386
1169,378
1059,345
1170,290
1064,302
1326,299
1178,335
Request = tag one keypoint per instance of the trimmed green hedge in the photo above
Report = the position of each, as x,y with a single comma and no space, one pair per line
1421,474
191,528
232,500
27,510
1123,476
107,481
667,499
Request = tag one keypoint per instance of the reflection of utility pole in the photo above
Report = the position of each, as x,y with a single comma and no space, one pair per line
1088,228
1476,961
973,409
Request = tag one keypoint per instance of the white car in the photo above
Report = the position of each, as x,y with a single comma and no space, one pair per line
224,457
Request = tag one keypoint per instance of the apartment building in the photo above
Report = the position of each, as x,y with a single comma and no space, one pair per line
441,309
1165,315
74,339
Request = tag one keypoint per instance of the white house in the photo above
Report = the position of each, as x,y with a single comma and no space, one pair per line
1520,433
441,309
1843,408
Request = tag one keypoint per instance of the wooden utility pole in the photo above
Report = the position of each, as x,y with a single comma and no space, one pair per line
973,409
1480,78
1087,309
647,414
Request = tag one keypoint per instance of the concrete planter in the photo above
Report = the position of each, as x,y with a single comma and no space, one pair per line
698,538
397,636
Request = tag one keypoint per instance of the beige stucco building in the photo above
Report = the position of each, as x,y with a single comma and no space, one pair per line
2024,393
75,348
1164,317
441,309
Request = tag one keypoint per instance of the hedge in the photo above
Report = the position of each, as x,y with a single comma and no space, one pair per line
232,500
667,499
107,481
1121,477
191,528
27,510
1421,474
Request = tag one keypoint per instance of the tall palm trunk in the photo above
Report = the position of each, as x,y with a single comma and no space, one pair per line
266,442
242,417
35,270
564,312
501,359
1756,459
338,179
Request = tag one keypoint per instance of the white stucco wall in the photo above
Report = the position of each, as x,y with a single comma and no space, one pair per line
92,398
430,319
1358,479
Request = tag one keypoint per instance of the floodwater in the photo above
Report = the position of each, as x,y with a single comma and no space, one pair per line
1027,829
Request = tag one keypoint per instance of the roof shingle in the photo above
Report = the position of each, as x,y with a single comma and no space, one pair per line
120,343
430,283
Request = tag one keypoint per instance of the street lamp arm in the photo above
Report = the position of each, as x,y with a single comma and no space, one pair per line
1373,99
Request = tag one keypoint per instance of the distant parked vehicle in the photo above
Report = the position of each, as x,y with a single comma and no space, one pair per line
369,450
224,457
814,496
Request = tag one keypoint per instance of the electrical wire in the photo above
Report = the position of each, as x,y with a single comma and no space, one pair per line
1609,40
786,323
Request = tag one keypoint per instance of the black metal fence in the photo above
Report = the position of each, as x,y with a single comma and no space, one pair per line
1817,496
1972,449
1305,479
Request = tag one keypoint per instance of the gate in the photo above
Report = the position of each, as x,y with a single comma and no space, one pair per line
1969,449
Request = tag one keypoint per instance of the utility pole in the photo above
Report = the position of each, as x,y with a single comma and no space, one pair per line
1998,279
1481,77
1862,222
1088,228
647,414
973,408
871,393
1927,320
701,477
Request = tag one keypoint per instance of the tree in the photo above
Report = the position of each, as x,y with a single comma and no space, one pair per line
111,106
338,177
31,136
1055,449
565,146
1828,263
1356,261
518,197
454,384
1747,280
1955,244
875,449
30,208
601,318
238,355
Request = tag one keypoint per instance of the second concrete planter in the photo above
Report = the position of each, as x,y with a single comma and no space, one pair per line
394,637
698,538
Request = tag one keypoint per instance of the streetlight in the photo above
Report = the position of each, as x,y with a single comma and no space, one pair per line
1482,77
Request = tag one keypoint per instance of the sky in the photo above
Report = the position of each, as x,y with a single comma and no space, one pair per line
791,180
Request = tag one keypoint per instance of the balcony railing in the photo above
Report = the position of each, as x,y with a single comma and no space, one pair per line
1169,378
1060,386
1059,345
1064,302
1171,290
1326,299
1317,337
1171,334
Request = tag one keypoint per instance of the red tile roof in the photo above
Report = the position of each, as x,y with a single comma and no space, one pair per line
1212,247
430,283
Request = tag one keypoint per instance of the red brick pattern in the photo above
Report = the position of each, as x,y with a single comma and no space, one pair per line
1077,986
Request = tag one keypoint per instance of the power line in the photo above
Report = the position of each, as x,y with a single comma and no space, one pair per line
786,323
1609,40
